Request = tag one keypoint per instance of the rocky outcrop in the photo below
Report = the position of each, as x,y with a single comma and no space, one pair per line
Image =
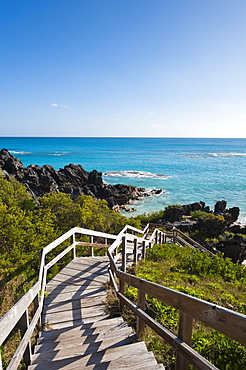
209,226
177,213
234,248
72,179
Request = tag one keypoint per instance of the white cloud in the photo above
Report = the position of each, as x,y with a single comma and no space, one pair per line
151,113
59,105
122,114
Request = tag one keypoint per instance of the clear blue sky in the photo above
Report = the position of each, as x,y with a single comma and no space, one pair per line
151,68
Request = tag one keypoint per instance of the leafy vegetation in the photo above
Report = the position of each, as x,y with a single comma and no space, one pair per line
211,278
26,228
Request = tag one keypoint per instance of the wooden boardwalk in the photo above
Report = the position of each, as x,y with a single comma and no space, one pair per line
78,330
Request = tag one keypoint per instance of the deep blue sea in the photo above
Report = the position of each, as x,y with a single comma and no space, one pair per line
188,170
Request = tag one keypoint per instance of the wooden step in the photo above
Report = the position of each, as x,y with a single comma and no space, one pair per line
124,357
72,304
103,326
72,291
67,349
77,341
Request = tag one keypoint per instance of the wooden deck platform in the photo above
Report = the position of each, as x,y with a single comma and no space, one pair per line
78,331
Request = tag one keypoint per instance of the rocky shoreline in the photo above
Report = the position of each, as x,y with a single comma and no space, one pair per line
73,180
215,229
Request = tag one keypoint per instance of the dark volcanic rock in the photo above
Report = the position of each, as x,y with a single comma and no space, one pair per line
220,207
72,179
175,213
234,248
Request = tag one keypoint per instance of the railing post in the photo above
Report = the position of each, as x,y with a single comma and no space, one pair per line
135,251
123,268
124,254
106,243
91,247
185,334
156,236
174,234
24,324
36,306
141,304
74,248
1,362
144,250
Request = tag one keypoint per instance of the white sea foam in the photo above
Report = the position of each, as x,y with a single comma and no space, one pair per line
228,154
135,174
18,152
59,153
214,155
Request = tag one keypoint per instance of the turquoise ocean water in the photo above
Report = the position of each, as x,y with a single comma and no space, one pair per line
189,170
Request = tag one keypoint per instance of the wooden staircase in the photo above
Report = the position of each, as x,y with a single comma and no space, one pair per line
78,330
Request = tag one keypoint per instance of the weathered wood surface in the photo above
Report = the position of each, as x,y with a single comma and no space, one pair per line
79,333
228,322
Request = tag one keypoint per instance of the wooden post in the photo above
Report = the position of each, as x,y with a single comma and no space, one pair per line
144,250
122,291
184,333
123,254
174,234
24,324
92,248
1,362
106,243
74,248
135,251
36,306
156,236
141,304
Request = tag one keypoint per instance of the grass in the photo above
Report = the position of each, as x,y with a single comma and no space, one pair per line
211,278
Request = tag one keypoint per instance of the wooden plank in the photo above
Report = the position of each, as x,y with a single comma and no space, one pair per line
59,256
83,339
68,278
134,350
102,269
68,271
110,359
16,359
75,314
78,290
192,356
73,304
70,296
230,323
10,319
61,325
84,344
96,245
104,327
24,326
185,334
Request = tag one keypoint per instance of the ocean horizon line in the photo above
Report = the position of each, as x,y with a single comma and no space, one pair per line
127,137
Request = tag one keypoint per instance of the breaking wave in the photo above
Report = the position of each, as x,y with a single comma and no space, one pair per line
214,155
135,174
18,152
